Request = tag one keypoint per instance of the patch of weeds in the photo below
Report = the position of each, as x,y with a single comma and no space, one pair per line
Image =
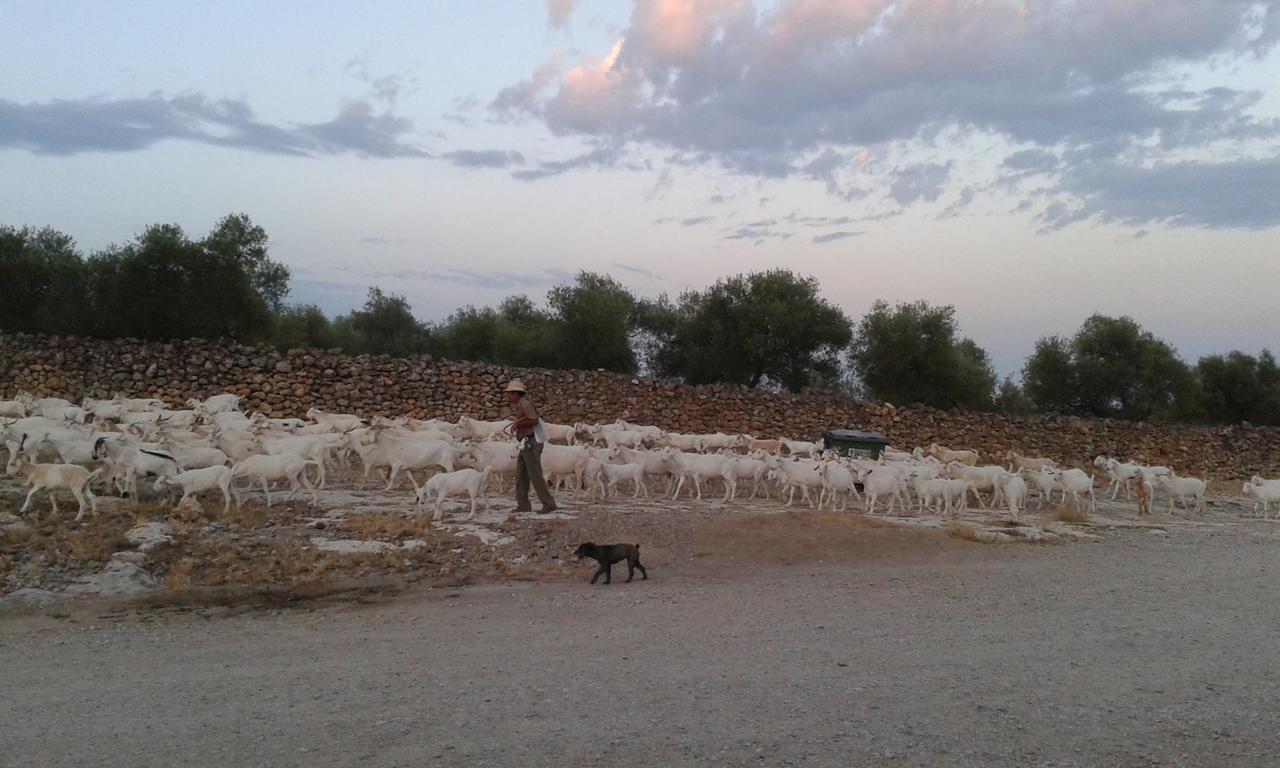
178,578
1068,514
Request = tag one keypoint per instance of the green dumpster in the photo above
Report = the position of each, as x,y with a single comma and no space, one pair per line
854,444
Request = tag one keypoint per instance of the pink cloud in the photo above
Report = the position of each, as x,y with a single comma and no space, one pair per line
558,13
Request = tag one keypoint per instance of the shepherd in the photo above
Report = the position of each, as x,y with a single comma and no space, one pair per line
528,431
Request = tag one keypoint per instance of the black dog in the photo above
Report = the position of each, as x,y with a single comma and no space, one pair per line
607,555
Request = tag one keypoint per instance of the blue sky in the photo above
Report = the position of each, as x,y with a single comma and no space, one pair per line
1028,162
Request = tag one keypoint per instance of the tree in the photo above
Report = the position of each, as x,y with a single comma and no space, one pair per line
1111,367
164,285
386,326
42,278
302,325
910,353
1010,399
525,336
757,329
1049,377
595,321
1237,387
242,246
470,334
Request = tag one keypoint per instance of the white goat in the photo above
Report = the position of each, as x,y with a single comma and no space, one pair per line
51,477
288,467
454,483
883,481
746,468
1017,461
837,480
1075,482
481,430
1264,492
133,461
946,455
698,467
338,422
1183,488
224,403
194,481
1014,489
618,473
984,479
1046,482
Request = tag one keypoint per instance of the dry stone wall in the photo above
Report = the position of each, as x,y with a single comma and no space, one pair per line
288,383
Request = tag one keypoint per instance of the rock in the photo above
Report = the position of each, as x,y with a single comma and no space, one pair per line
351,546
148,536
118,579
7,519
31,598
137,558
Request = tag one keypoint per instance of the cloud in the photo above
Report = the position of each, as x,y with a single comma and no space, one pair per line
831,237
484,158
68,127
384,88
757,235
1031,161
637,271
919,182
606,157
801,88
558,13
696,220
375,240
963,201
661,185
521,99
819,221
1239,194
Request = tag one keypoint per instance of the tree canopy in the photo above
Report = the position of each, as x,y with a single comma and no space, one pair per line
1111,367
912,353
1237,387
752,329
161,285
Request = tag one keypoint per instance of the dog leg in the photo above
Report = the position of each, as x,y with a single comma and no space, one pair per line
603,570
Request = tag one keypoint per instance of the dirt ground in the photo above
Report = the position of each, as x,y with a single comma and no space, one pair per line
912,648
763,637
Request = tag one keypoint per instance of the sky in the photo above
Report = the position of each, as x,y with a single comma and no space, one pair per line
1030,162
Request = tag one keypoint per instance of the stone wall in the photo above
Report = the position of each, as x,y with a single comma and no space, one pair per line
287,384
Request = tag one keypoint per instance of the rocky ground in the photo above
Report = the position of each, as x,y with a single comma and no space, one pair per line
360,540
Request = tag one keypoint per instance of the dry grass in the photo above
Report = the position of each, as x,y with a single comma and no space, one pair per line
178,578
93,545
387,527
1064,513
959,530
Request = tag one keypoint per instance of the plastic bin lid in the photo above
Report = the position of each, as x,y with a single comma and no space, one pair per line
855,436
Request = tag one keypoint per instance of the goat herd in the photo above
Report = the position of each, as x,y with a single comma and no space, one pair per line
211,446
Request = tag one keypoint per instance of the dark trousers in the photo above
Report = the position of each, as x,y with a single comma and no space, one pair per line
529,471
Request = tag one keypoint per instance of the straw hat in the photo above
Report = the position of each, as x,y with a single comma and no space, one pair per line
515,386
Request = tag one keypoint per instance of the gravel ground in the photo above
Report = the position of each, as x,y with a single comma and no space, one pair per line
1142,649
